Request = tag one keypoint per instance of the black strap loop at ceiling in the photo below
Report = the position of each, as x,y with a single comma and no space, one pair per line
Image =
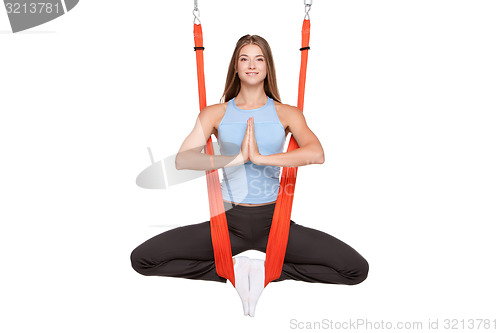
305,48
199,48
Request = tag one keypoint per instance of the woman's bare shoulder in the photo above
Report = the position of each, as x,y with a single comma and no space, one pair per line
213,114
288,113
286,107
214,109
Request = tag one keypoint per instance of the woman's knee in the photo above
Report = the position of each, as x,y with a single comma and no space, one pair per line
358,272
139,262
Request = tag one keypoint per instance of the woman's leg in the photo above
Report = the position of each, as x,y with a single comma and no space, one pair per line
185,252
315,256
311,255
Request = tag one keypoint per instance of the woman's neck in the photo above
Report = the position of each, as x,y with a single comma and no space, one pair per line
251,97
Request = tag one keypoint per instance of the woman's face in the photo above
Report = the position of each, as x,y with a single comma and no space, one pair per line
251,65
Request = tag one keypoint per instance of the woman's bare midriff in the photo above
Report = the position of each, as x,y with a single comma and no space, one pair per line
249,205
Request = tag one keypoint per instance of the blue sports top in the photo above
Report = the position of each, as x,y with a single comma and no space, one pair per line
251,183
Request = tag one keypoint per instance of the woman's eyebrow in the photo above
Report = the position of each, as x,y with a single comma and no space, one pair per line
245,55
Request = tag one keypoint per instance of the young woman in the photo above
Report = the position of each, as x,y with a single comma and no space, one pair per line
251,125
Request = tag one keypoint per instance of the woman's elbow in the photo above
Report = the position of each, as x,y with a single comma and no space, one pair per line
321,158
178,162
316,156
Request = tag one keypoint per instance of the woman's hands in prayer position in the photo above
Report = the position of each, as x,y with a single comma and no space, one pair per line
249,149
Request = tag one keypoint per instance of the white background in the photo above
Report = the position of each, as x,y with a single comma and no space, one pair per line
403,96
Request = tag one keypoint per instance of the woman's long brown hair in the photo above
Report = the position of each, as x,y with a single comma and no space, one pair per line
233,83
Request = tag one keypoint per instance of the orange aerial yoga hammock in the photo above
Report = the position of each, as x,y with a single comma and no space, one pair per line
278,235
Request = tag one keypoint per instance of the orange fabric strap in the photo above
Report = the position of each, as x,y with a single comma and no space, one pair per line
278,235
218,223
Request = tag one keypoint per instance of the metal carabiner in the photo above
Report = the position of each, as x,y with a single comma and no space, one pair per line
196,13
307,8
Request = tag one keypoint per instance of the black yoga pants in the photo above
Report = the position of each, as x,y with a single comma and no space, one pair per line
311,255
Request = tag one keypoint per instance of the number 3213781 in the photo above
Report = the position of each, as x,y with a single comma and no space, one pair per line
32,8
